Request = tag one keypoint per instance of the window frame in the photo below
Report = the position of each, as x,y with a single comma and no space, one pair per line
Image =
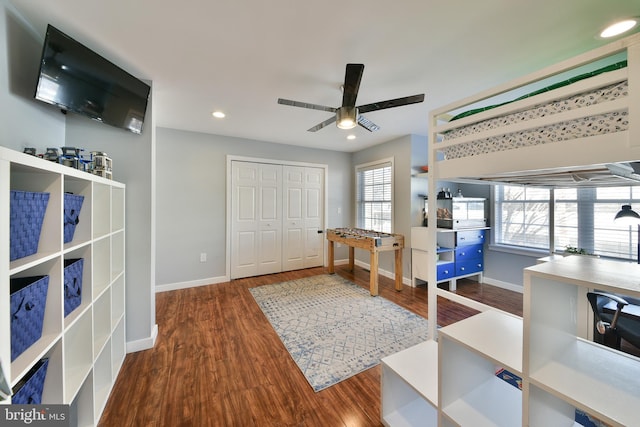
369,166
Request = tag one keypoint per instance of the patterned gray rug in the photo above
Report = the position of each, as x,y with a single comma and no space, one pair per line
334,329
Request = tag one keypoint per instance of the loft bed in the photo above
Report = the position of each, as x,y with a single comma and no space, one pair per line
576,123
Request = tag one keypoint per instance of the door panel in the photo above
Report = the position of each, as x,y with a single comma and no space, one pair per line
314,217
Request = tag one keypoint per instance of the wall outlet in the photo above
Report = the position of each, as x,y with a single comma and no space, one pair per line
203,257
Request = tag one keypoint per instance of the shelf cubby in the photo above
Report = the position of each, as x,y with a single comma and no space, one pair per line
78,351
82,407
54,382
117,254
101,321
102,378
117,300
117,209
80,187
101,210
101,266
409,386
83,252
118,348
52,322
470,392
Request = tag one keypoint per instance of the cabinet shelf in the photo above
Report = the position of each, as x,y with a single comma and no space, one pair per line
492,403
597,380
410,386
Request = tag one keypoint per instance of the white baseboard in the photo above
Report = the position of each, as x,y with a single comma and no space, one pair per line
504,285
145,343
191,284
386,273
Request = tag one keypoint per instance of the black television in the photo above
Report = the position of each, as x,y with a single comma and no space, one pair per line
76,79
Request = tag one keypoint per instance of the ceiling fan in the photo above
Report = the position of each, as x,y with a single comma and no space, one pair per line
349,115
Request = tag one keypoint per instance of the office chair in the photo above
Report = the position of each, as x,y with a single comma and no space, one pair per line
612,326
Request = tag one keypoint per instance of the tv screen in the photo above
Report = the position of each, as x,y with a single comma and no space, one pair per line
76,79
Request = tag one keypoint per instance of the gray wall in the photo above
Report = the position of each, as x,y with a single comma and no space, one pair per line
25,122
133,158
401,150
191,198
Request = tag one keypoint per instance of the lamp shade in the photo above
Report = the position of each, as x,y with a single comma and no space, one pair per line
347,117
627,215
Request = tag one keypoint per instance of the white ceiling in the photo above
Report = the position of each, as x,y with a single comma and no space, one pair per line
241,56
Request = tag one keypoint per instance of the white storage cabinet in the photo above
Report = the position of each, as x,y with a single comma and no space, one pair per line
86,349
460,254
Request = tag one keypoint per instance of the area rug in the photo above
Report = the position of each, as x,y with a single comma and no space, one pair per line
334,329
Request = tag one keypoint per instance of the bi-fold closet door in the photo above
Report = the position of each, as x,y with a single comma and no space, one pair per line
277,218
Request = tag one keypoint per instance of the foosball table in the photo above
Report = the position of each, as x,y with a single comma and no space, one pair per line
372,241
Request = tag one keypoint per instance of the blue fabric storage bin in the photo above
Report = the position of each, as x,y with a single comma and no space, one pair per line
27,211
72,284
27,305
28,391
72,206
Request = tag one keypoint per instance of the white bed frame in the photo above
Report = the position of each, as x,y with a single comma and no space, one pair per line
621,146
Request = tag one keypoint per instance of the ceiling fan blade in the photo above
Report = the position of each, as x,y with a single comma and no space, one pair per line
352,77
306,105
367,124
398,102
323,124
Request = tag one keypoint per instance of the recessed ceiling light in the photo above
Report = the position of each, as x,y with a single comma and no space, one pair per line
218,114
351,137
619,27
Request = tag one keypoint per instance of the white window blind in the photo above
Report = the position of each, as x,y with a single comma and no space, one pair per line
582,218
374,196
589,224
522,216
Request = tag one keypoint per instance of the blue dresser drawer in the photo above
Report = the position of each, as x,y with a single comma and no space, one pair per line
464,253
469,237
445,271
469,267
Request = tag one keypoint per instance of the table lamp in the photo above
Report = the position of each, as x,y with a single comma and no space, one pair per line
629,216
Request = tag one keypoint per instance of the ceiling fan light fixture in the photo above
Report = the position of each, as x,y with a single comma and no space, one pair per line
347,117
619,27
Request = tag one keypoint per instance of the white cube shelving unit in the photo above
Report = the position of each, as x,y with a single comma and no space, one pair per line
562,371
86,349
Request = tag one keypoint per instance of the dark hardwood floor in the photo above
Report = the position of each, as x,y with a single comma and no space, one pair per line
218,362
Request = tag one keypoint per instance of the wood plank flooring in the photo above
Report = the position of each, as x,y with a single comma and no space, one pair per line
218,362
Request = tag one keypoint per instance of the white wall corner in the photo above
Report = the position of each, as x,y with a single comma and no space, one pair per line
145,343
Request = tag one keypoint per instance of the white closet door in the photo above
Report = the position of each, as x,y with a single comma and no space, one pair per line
270,219
256,224
277,215
303,240
314,217
294,224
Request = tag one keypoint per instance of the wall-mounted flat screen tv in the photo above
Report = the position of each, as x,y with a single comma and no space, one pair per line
76,79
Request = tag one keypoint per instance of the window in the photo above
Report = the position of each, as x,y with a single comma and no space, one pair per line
522,216
374,196
581,218
589,221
